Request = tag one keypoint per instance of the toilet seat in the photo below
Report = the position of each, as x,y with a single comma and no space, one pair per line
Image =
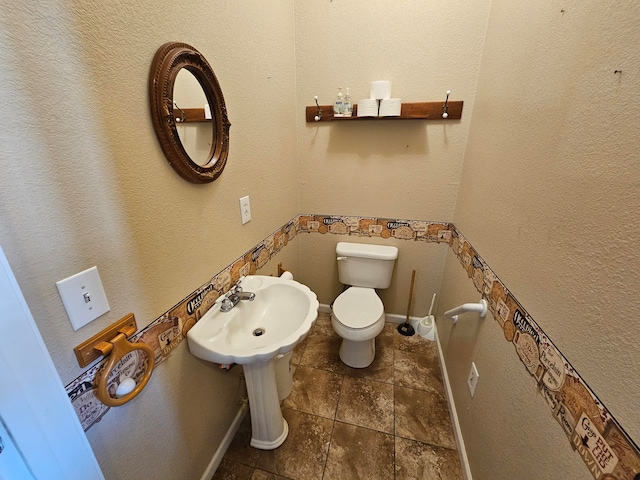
358,308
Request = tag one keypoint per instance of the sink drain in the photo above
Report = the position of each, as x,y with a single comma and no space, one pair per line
258,331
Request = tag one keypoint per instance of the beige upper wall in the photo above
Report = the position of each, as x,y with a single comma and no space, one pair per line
84,182
549,190
397,169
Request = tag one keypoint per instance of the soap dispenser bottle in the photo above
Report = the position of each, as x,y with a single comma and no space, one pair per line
338,104
348,106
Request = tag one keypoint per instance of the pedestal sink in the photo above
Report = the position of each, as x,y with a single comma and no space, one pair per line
251,334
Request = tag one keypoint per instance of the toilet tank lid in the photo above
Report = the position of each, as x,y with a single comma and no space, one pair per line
363,250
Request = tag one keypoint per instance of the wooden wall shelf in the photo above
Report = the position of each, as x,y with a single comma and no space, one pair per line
410,111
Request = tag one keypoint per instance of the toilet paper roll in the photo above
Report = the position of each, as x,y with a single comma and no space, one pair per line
390,107
287,275
368,107
380,90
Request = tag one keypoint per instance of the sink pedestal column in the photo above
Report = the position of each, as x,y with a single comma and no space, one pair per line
269,429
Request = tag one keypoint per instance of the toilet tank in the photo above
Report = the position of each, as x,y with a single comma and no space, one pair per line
364,265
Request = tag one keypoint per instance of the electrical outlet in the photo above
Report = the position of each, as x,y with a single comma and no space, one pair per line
245,209
472,381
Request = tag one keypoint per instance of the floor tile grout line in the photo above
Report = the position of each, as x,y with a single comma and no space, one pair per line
427,443
417,389
394,427
346,422
333,427
366,428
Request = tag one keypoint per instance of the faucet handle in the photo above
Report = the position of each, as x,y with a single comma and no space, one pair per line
224,302
220,299
237,287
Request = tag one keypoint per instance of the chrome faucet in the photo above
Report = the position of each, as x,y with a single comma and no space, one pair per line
233,297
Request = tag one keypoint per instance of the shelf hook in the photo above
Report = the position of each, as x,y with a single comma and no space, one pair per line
318,116
181,119
445,107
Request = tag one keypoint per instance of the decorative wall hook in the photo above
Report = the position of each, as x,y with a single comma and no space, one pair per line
445,107
318,116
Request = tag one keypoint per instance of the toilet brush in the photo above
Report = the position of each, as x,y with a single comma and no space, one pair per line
405,328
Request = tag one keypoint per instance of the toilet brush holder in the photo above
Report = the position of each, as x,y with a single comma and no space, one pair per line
425,325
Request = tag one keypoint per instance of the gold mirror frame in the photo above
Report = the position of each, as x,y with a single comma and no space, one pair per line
168,61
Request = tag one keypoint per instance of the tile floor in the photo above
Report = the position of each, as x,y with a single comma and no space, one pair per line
387,421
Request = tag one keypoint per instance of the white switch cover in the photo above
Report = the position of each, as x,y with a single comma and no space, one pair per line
245,209
472,381
83,297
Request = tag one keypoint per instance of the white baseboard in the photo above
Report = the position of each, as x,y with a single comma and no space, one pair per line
464,460
398,319
226,441
324,308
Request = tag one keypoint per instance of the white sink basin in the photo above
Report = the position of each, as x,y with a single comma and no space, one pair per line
255,331
251,334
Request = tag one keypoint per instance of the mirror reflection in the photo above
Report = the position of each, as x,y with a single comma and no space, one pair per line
193,117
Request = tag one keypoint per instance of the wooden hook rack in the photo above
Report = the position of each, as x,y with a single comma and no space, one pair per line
410,111
86,353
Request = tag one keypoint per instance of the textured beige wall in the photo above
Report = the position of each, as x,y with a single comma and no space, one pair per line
396,169
508,429
548,189
84,182
549,198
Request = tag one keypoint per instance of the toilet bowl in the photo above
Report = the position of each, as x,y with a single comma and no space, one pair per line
358,313
358,317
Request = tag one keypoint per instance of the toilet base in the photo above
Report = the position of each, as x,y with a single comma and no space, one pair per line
358,354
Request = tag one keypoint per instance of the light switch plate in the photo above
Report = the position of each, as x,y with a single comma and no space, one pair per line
83,297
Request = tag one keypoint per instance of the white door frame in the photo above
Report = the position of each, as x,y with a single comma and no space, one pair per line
33,403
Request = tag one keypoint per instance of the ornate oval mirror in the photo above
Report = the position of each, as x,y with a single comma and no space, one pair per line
188,112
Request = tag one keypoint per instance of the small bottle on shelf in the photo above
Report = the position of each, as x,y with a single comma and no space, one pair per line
348,106
338,104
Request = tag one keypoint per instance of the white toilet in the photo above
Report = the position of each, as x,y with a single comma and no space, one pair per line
358,313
